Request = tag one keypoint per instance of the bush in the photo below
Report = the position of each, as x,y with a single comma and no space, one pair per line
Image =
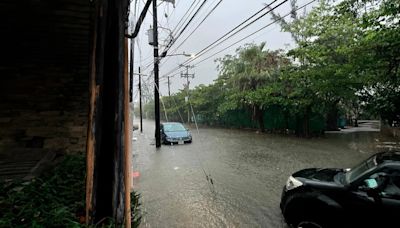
55,199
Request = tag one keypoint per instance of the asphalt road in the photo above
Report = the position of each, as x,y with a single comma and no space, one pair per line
231,178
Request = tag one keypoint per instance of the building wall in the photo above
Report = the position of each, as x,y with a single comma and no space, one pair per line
43,108
44,74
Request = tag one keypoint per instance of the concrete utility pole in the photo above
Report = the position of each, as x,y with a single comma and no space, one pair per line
187,75
156,79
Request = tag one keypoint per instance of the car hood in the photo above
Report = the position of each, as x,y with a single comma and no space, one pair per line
326,175
176,134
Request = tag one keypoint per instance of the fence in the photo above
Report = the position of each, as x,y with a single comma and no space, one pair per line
275,120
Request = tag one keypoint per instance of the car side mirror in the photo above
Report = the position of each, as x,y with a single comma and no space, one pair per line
371,183
368,185
371,187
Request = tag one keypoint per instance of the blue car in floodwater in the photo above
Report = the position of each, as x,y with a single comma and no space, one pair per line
174,132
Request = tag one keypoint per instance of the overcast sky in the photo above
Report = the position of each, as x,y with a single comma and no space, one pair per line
226,16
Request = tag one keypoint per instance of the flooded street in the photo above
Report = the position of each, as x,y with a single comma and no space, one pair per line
231,178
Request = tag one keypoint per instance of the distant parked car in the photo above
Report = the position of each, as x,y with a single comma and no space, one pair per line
367,195
173,132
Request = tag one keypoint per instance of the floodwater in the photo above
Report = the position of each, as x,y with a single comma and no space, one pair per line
231,178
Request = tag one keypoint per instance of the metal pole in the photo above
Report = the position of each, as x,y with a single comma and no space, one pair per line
156,80
140,102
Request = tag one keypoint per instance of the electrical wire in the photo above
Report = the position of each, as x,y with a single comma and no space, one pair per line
178,28
262,28
187,11
184,20
242,23
225,37
172,41
174,51
191,33
251,34
173,12
220,41
187,24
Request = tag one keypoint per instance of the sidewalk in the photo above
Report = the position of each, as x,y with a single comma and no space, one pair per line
363,126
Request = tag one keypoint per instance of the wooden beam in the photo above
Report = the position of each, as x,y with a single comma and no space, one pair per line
90,143
110,136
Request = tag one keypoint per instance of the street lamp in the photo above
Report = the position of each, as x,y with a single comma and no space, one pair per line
164,54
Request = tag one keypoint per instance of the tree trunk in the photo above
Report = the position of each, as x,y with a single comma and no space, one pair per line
306,122
260,118
332,117
286,122
298,130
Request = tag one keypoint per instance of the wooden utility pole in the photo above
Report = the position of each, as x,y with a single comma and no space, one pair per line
107,178
187,76
108,136
131,71
156,79
169,83
140,101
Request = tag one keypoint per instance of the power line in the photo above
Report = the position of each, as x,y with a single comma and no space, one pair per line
189,61
217,42
245,21
190,7
187,16
191,19
184,28
251,34
173,10
209,13
189,10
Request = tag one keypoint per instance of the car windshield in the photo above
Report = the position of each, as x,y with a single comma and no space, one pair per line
174,127
360,169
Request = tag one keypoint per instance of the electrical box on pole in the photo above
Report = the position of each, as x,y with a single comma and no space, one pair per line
150,33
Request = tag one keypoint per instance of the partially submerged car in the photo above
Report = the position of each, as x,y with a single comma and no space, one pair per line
174,132
367,195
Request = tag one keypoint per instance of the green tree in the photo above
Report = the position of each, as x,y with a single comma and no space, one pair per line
206,101
324,39
376,57
252,68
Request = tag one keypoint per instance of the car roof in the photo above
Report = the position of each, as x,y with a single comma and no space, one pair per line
392,156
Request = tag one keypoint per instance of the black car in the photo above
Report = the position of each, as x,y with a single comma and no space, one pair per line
173,132
367,195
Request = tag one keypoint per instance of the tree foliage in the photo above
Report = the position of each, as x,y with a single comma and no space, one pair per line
345,62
